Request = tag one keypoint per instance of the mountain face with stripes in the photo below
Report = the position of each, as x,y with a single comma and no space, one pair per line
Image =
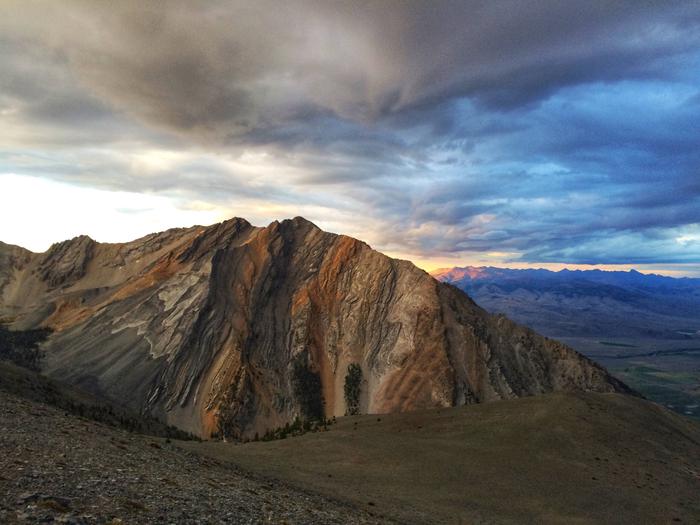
234,329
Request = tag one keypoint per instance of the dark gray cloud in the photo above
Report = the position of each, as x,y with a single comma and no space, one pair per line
551,131
218,70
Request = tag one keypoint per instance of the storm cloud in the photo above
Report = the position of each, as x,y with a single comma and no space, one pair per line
544,131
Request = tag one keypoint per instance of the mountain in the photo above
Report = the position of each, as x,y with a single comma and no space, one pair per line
22,383
581,303
235,329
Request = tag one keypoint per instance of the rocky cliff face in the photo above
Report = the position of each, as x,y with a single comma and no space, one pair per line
236,327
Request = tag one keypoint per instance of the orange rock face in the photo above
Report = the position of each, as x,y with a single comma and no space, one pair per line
205,327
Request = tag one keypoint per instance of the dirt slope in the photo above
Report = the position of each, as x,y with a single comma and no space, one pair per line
56,468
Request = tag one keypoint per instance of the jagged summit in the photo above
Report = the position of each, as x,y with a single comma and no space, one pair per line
233,328
301,221
232,224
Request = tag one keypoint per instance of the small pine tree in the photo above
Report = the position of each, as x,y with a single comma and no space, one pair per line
308,390
353,383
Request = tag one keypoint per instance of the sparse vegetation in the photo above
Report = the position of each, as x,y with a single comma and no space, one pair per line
297,428
21,347
353,383
413,465
308,393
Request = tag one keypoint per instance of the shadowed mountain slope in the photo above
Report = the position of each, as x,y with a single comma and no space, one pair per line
234,328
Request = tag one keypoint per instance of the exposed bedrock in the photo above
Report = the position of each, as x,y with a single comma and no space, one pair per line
210,328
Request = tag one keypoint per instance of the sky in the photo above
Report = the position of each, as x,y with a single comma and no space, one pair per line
519,134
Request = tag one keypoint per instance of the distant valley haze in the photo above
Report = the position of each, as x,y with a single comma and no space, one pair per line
644,328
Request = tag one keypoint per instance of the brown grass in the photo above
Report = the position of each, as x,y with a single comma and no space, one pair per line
594,458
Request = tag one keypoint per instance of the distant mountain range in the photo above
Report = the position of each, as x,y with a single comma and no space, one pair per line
585,303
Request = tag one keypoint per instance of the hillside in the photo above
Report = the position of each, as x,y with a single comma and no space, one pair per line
234,329
27,384
556,458
58,468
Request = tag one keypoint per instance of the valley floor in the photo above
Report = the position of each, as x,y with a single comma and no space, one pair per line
666,371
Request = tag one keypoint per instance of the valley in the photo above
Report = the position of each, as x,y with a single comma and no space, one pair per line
666,371
644,329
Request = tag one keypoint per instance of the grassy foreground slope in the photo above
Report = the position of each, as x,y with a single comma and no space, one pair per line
557,458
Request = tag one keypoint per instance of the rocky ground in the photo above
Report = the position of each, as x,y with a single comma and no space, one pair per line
58,468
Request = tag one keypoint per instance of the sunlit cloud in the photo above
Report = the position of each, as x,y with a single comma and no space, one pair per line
452,134
35,212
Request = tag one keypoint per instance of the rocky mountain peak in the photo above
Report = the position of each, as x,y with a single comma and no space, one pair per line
301,222
66,262
236,329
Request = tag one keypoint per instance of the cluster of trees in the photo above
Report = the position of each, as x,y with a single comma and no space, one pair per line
107,414
353,384
296,428
308,390
308,393
22,346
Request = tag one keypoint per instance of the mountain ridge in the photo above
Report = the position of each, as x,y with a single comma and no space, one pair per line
211,328
475,271
605,302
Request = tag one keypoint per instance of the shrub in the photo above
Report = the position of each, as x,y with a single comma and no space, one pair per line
22,346
308,391
297,428
353,383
